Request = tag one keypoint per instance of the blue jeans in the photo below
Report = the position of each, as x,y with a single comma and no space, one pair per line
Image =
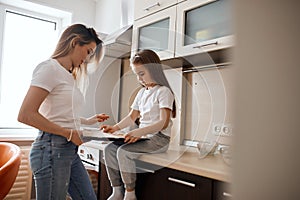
58,169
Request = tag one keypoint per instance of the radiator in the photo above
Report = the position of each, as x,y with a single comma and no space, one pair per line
21,189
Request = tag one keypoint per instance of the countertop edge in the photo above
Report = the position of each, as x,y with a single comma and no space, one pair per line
216,175
185,159
211,167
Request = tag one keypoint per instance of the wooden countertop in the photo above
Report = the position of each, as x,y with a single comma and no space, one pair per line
185,159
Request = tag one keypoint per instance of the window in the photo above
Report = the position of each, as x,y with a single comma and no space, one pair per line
27,39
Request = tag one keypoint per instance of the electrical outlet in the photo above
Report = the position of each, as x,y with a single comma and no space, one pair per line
222,129
217,129
226,130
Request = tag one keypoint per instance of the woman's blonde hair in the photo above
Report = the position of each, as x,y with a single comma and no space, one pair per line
79,34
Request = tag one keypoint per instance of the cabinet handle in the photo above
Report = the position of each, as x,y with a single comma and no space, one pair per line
225,194
149,7
181,182
204,45
146,170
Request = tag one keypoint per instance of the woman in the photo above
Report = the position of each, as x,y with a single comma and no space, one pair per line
52,105
154,105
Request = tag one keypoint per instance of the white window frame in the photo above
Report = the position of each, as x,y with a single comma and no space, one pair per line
61,18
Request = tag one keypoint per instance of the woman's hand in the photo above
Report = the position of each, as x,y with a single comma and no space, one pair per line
108,128
102,117
96,118
76,137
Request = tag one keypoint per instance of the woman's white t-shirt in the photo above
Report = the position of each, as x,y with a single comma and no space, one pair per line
63,103
149,102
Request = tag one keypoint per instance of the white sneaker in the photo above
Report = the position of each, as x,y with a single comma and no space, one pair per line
117,193
130,195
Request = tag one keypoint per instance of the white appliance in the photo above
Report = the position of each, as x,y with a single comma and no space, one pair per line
90,154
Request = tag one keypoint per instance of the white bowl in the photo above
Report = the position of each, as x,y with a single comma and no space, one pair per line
206,148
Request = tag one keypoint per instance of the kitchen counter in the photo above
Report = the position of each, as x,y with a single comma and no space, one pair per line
177,157
185,159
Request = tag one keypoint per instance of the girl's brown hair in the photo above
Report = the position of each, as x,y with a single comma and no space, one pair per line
150,60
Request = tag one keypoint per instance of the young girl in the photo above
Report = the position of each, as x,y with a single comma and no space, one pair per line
153,105
52,105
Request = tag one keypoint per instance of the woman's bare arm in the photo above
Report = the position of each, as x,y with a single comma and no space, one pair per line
29,114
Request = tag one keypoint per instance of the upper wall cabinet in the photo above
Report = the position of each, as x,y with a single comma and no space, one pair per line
156,32
147,7
202,26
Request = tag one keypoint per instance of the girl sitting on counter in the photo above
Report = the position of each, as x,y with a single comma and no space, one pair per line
154,105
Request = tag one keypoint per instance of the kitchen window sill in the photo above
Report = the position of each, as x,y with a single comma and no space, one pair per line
18,134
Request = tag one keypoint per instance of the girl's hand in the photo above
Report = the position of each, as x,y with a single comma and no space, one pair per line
96,118
131,138
108,129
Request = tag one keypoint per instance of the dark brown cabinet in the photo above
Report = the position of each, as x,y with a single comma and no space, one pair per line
182,185
166,183
221,191
104,183
105,187
150,182
156,182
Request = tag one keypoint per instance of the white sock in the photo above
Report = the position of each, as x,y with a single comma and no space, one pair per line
117,193
130,195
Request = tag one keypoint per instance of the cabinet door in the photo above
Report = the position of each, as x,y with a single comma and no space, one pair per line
175,79
203,26
105,187
156,32
106,81
182,185
146,7
149,184
221,191
129,86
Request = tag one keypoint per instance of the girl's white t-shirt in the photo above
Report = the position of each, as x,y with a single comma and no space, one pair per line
63,103
149,102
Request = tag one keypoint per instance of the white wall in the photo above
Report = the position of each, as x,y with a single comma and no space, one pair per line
108,16
266,154
127,7
113,14
83,11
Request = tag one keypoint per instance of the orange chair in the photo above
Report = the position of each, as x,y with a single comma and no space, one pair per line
10,160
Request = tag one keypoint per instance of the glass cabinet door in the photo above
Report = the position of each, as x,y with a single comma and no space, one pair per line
156,32
155,35
204,25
